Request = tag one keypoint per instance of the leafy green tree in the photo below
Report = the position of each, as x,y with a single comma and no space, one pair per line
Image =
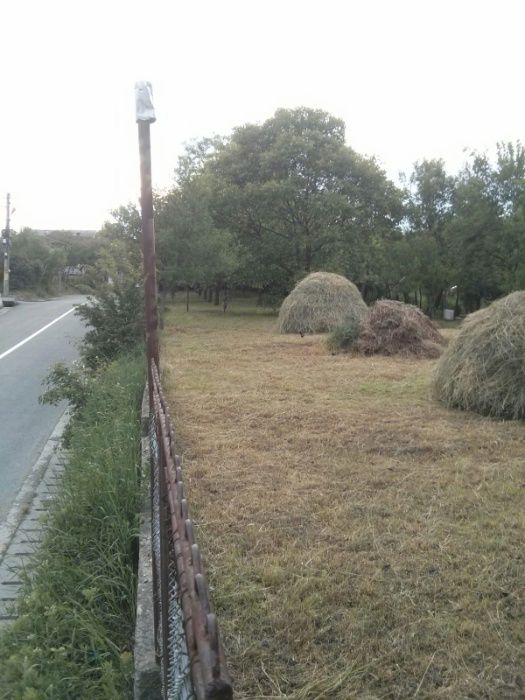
430,198
429,212
191,251
510,183
114,313
296,198
78,250
35,263
476,234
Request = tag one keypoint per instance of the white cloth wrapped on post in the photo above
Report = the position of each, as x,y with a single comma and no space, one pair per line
144,102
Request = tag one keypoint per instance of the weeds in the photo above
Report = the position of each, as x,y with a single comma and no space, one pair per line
343,339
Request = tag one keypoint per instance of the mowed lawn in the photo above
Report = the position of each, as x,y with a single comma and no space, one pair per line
361,540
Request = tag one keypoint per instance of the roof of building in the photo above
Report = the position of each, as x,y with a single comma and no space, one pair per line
81,233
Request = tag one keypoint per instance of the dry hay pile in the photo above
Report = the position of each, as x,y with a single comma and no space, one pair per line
394,328
319,303
483,369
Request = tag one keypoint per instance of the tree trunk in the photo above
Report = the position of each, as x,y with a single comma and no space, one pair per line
308,255
225,299
439,301
456,306
217,299
162,309
187,298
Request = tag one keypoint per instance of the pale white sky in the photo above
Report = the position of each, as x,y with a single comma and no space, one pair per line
411,79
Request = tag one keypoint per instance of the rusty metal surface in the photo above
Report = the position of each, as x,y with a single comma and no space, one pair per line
178,553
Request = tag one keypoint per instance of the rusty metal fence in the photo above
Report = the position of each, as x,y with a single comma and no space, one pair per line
191,657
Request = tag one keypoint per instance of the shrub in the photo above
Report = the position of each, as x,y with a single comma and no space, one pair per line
116,319
64,383
343,338
483,369
320,303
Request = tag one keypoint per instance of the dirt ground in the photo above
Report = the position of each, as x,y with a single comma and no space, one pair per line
361,540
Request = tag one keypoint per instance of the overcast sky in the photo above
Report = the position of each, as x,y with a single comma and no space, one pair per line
412,79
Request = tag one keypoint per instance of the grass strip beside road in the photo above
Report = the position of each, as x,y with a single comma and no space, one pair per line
361,540
73,636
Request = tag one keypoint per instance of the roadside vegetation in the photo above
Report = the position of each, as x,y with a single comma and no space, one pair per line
42,266
73,638
74,634
362,540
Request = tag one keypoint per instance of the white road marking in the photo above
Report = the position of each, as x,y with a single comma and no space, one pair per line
33,335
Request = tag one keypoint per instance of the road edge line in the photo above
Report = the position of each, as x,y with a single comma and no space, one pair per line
35,334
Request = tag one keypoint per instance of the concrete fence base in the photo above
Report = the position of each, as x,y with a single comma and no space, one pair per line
147,684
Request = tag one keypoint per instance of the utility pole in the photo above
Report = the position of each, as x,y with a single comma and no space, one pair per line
145,116
6,235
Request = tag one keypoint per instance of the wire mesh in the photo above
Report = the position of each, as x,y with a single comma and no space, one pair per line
174,661
179,666
155,535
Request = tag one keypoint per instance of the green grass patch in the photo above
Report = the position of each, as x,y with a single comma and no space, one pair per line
406,389
73,636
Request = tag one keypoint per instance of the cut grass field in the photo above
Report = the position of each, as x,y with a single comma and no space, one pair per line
361,540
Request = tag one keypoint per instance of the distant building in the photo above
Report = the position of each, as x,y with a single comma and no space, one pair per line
79,233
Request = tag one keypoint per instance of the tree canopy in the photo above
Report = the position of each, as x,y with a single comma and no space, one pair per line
272,202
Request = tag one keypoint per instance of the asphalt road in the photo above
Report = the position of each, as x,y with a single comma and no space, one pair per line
25,426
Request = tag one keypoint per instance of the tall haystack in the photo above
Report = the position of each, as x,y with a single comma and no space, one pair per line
483,369
319,303
394,328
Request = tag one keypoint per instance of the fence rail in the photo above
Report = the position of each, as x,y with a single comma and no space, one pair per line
187,639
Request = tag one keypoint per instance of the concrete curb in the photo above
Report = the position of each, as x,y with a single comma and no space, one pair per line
28,490
147,683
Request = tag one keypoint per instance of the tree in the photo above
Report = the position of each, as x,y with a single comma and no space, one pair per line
296,198
476,234
429,212
192,251
35,263
78,250
114,312
510,183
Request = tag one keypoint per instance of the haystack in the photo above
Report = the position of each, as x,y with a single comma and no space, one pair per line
319,303
483,369
394,328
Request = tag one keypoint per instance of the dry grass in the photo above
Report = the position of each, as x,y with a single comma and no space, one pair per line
362,541
394,328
